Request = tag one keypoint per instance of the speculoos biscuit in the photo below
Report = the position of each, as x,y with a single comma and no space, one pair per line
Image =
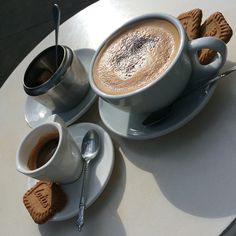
216,26
43,200
191,22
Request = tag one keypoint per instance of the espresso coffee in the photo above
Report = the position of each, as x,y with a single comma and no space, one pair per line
135,56
43,151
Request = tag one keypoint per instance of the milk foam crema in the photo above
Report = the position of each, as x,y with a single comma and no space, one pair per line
136,56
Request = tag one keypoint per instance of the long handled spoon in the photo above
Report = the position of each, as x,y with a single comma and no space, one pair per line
56,17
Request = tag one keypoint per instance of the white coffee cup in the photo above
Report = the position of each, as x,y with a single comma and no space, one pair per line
64,166
168,86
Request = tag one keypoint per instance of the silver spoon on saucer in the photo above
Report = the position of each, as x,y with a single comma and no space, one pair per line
89,150
57,18
161,115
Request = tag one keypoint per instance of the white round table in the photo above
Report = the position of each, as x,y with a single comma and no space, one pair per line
183,183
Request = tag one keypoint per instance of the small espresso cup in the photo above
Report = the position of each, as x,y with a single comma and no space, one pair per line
50,153
57,84
146,64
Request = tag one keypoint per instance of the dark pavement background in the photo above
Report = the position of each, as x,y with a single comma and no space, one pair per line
24,23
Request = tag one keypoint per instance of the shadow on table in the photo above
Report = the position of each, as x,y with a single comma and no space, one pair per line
102,217
194,166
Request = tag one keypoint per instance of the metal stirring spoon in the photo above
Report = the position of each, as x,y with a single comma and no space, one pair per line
56,17
158,116
89,150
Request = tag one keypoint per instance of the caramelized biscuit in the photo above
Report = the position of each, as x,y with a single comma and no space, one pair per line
191,22
216,26
43,200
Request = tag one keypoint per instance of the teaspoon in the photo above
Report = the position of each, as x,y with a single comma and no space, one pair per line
89,150
158,116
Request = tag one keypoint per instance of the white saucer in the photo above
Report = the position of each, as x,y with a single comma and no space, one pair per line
129,125
100,172
36,113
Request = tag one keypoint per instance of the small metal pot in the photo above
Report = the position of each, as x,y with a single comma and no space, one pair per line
59,89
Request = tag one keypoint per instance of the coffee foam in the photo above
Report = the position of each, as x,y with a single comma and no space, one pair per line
135,57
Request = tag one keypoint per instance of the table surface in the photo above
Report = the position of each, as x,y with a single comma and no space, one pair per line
182,183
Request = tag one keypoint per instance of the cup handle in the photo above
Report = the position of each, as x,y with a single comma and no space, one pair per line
57,119
200,71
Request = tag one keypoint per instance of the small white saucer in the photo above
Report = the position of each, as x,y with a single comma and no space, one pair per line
99,174
36,113
129,125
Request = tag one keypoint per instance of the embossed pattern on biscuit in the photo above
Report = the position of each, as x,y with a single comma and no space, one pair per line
43,200
215,26
191,22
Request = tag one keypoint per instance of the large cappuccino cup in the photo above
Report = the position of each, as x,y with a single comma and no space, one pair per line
146,64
